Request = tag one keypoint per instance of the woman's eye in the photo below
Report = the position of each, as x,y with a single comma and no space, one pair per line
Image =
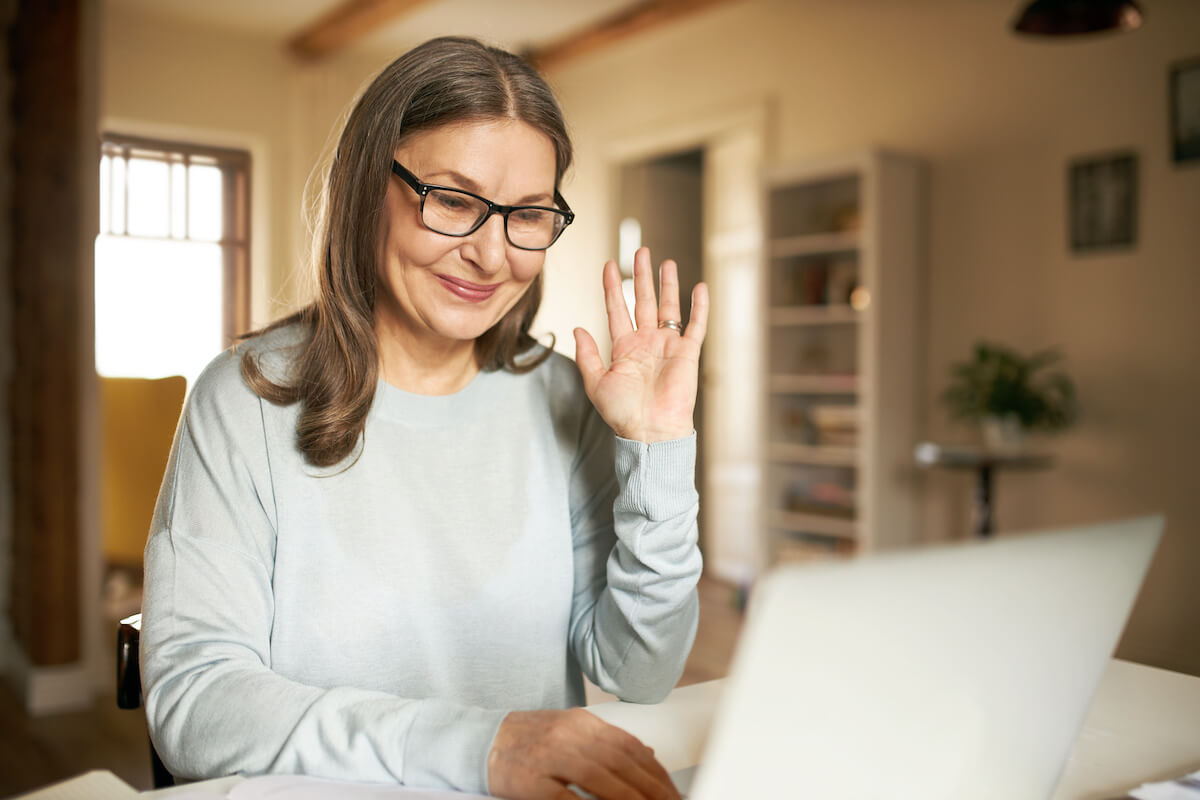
450,201
530,216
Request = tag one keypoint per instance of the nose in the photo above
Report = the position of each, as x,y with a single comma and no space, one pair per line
490,245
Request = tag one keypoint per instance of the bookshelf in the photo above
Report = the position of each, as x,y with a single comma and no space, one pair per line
842,369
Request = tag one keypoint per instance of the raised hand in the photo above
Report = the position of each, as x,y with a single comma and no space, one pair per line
648,392
536,755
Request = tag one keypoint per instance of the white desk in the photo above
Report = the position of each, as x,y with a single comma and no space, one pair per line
1144,725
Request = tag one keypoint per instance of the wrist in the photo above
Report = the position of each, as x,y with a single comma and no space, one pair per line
653,436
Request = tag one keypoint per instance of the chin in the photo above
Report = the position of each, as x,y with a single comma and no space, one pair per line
473,322
467,329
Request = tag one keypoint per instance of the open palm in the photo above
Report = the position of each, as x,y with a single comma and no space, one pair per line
648,392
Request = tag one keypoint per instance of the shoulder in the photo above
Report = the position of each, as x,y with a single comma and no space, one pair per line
559,379
222,388
577,424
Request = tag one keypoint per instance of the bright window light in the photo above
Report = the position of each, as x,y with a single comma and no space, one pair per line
204,196
158,307
148,191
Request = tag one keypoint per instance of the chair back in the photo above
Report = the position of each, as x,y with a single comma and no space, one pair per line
129,687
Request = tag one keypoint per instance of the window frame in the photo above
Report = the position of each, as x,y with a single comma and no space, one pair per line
235,167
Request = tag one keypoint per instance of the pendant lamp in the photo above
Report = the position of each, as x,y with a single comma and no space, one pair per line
1071,17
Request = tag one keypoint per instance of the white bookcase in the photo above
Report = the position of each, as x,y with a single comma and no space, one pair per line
843,369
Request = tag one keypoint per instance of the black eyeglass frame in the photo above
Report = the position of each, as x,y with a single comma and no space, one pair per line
423,190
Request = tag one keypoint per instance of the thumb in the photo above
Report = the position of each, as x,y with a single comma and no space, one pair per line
587,356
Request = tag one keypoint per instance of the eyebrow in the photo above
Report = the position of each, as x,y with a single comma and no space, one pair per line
463,182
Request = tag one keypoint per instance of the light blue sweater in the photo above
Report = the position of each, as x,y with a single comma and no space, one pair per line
377,622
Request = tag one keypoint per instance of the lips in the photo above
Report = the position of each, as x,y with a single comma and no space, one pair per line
466,290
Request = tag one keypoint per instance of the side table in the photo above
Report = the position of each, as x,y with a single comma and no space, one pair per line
984,462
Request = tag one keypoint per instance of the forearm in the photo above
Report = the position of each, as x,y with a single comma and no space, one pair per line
227,719
640,629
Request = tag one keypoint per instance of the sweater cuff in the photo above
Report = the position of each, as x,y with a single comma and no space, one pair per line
448,746
657,481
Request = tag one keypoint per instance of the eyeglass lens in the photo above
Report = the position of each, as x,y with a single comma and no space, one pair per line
455,213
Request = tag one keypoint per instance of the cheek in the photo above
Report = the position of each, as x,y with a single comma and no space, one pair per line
418,248
406,240
527,264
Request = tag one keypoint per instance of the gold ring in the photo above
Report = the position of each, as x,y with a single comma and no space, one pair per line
673,324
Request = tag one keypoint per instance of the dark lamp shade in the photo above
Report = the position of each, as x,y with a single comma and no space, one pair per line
1070,17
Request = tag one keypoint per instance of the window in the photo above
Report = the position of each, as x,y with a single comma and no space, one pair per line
172,257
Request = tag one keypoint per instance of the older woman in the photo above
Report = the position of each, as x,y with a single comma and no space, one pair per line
395,531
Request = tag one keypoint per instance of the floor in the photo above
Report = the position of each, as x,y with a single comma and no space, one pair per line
39,751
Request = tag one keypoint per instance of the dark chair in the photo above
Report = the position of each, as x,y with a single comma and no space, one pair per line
129,686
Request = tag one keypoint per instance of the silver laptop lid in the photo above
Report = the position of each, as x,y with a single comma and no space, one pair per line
952,672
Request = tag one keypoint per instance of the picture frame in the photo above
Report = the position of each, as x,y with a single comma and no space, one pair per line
1184,87
1102,209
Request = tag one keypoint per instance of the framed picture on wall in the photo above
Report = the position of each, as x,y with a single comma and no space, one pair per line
1103,201
1185,111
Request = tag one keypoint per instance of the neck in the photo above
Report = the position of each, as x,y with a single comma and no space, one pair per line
424,365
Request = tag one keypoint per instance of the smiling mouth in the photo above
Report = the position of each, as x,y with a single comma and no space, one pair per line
466,290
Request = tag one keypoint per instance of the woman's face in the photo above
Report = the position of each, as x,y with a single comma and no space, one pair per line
441,289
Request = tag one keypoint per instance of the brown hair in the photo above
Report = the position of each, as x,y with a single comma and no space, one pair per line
333,377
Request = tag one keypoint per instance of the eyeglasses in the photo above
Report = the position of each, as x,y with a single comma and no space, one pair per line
455,212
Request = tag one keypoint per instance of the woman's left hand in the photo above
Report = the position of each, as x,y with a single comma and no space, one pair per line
648,393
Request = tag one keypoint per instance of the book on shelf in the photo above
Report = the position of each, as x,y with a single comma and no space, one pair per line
799,506
835,425
826,496
813,280
793,548
835,417
840,383
837,439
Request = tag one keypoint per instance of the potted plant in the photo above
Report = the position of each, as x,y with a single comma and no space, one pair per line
1008,394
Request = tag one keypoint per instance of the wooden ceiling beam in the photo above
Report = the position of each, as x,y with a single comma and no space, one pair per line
623,25
345,23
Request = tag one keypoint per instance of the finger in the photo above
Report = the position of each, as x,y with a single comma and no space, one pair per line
619,322
634,761
645,309
587,356
668,295
598,781
648,765
550,789
698,319
638,768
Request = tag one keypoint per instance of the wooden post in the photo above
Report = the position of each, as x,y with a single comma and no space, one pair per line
43,282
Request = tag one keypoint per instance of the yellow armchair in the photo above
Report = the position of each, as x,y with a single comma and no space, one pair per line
138,416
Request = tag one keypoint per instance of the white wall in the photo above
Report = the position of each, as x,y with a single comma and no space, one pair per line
998,118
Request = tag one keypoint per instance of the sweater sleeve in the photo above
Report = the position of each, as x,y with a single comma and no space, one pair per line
213,704
635,608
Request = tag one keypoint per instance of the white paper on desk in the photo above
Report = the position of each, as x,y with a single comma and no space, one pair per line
95,785
1185,788
295,787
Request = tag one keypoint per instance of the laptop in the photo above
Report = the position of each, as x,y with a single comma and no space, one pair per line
953,672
